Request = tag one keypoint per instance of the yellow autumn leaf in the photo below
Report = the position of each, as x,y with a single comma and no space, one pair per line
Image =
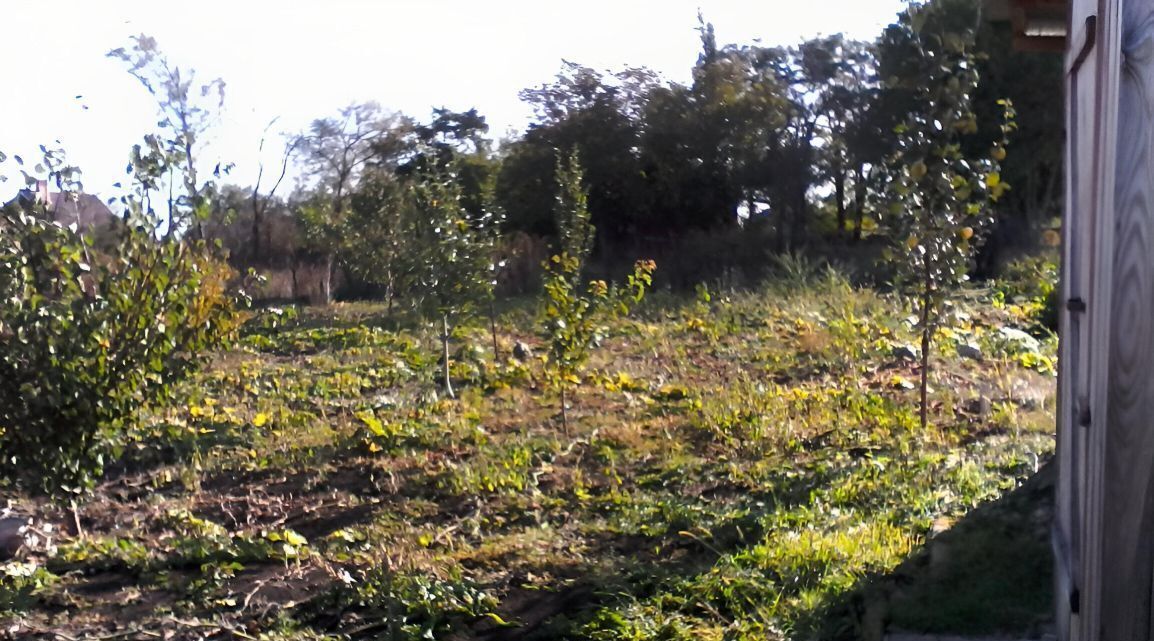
295,539
499,621
260,420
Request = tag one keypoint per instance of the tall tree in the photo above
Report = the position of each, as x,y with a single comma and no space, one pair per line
337,149
816,80
596,114
378,240
1032,81
849,94
457,141
336,152
703,144
260,204
187,110
942,196
454,255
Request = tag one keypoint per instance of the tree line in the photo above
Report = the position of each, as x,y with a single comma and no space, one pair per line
766,150
899,145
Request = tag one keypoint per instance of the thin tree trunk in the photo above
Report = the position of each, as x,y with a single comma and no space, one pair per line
783,219
859,188
1030,198
564,412
327,281
839,194
927,335
170,233
923,411
296,293
76,521
493,328
445,355
257,223
803,177
1051,189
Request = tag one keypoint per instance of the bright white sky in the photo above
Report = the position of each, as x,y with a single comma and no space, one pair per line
300,59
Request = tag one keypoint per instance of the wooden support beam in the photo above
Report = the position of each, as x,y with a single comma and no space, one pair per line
1038,25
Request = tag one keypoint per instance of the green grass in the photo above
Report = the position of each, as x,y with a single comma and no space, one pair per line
739,466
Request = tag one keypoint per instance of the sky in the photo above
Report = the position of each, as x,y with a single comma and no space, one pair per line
296,60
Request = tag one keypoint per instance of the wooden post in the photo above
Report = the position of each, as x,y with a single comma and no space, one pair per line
1124,450
1083,149
1105,509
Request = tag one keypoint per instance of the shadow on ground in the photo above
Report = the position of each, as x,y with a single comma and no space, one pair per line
988,574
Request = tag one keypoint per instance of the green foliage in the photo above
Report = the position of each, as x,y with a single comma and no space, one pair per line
1033,83
88,339
751,462
21,583
574,319
418,607
454,255
186,110
454,251
501,472
941,197
270,321
376,240
337,151
1028,288
736,481
571,208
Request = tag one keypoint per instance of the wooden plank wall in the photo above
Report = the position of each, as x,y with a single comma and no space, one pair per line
1127,515
1099,254
1082,151
1105,131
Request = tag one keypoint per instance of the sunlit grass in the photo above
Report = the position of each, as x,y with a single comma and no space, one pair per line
739,465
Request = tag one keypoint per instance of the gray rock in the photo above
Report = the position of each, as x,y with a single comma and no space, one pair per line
1020,338
969,350
521,351
980,406
12,535
384,401
905,353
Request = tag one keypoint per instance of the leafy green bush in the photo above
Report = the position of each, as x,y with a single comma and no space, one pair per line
1028,288
941,195
421,607
87,339
20,584
574,319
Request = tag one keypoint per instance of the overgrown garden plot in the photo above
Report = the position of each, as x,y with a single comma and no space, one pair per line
737,466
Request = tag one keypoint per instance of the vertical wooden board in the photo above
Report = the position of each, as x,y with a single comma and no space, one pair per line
1073,378
1128,492
1099,250
1089,150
